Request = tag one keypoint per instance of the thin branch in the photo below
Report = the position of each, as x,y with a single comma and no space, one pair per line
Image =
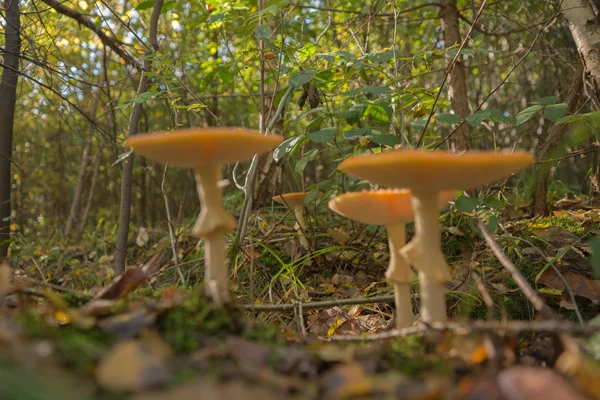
111,42
313,305
465,329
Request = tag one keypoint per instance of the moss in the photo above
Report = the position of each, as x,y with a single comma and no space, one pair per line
195,318
83,349
409,356
570,224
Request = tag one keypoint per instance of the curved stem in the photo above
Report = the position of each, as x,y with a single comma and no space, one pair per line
217,274
433,299
213,216
400,274
301,226
404,309
425,252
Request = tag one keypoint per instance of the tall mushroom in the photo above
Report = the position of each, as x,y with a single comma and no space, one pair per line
296,201
426,173
206,151
393,209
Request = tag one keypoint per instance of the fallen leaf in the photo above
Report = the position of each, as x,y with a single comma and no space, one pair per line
346,380
526,383
213,390
339,236
579,284
128,325
132,366
557,236
248,353
583,371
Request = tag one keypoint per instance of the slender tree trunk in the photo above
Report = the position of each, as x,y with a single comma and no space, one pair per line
90,196
457,81
547,149
127,177
585,29
8,99
85,161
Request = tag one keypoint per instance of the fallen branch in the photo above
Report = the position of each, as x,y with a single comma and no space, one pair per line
464,329
317,304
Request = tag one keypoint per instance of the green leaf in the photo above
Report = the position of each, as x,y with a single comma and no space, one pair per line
303,162
353,133
300,79
478,117
144,5
491,202
287,146
595,245
546,100
168,6
355,113
226,76
465,204
387,140
307,52
447,119
322,136
526,114
419,124
498,116
376,89
381,113
262,32
555,111
492,223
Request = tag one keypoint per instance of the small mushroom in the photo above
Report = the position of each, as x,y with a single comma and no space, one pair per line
206,151
393,209
296,200
426,173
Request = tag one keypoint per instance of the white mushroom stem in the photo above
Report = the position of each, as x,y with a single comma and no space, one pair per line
300,226
212,224
400,274
213,216
217,273
425,252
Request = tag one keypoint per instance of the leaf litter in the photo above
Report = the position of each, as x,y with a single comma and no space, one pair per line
138,338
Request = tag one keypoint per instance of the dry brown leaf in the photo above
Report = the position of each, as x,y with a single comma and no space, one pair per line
132,366
579,284
346,380
339,236
583,371
526,383
209,389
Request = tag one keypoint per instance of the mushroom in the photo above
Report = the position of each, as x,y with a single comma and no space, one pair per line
296,200
426,173
393,209
206,151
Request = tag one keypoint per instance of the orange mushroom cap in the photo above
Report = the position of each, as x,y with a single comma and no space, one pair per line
381,207
291,199
189,148
436,170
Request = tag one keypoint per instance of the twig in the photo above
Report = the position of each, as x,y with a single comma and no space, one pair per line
317,304
52,286
528,291
252,172
111,42
170,225
464,329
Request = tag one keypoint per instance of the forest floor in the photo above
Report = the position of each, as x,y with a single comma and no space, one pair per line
69,331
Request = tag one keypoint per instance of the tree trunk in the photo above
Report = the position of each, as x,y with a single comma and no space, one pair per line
457,81
548,148
127,177
8,99
585,29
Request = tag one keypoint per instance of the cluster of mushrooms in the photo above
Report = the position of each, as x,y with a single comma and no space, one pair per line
421,183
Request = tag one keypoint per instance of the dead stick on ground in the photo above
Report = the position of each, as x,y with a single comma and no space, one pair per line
528,291
464,329
317,304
